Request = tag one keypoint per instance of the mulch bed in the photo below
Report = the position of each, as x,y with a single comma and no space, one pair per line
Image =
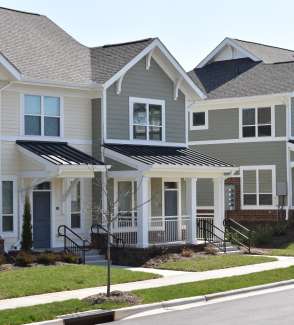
115,297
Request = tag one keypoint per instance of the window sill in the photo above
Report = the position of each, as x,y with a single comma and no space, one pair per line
256,207
198,128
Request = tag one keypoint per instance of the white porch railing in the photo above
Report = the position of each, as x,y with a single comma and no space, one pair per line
162,230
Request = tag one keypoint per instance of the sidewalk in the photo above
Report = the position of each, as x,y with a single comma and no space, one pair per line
169,278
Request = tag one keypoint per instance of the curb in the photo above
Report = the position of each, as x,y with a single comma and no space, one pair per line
99,316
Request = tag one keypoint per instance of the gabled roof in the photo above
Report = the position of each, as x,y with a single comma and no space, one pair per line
166,156
271,73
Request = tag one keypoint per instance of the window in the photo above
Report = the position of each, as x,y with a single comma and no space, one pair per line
42,115
199,120
7,210
76,206
257,122
147,119
258,188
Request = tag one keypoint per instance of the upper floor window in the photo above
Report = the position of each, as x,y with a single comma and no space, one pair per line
257,186
199,120
257,122
42,115
147,119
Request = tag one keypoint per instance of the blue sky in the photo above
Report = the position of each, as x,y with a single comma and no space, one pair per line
190,29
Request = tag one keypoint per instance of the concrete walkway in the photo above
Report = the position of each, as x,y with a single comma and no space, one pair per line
169,278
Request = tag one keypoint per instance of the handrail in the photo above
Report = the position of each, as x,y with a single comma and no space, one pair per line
74,247
115,238
230,226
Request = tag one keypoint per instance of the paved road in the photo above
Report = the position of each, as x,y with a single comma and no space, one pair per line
267,309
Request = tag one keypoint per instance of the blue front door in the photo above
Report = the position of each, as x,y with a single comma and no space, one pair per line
41,219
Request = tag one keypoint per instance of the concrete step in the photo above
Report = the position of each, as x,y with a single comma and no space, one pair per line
94,258
97,262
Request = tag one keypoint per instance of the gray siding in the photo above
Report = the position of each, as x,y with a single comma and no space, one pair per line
96,127
222,124
246,154
205,192
292,155
153,84
292,116
280,117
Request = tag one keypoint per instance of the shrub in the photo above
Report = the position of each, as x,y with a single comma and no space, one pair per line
262,235
70,258
26,236
280,228
2,259
46,259
210,249
23,259
186,252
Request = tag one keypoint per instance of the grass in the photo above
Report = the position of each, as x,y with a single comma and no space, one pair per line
205,263
50,311
44,279
287,250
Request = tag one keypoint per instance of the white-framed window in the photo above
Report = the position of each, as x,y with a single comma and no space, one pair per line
257,122
258,187
76,206
8,204
147,119
42,115
199,120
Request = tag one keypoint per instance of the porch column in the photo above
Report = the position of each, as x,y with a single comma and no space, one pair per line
192,209
143,203
219,201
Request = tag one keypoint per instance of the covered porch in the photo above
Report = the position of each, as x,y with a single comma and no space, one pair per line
156,204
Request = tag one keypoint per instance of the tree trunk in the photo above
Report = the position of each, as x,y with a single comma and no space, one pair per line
108,260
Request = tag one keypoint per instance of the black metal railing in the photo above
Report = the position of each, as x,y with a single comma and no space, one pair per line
73,243
213,235
115,240
238,234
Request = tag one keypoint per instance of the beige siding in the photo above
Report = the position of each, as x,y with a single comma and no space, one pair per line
77,118
10,113
10,158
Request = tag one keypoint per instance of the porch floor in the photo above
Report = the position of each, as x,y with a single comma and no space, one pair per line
169,278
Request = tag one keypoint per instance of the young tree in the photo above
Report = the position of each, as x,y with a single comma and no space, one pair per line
26,236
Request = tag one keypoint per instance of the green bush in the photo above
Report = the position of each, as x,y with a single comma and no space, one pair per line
23,259
280,228
2,259
70,258
262,235
26,236
46,259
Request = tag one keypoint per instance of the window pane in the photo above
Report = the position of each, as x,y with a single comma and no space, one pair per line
265,181
265,131
140,115
154,133
124,196
248,116
140,132
76,198
265,199
75,220
264,115
52,126
7,223
32,125
249,181
199,119
250,199
51,106
32,104
155,115
248,131
7,197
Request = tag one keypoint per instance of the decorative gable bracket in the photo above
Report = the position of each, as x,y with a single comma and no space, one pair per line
177,85
148,59
119,84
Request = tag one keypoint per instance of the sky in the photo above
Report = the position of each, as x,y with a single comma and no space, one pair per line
189,29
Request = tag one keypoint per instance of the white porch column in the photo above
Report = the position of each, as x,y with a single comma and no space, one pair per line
192,209
219,201
143,210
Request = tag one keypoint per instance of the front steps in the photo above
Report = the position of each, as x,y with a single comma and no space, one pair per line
93,257
230,248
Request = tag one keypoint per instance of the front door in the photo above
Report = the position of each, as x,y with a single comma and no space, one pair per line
171,201
42,216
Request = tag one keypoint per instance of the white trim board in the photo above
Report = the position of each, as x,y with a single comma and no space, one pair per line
237,140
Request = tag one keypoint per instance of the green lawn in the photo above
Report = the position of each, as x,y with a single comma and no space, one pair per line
287,250
43,279
205,263
50,311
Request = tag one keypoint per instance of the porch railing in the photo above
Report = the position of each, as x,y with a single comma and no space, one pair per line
204,221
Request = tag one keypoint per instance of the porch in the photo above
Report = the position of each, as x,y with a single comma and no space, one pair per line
157,203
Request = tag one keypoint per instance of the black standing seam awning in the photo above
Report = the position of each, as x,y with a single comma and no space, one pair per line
59,153
163,155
